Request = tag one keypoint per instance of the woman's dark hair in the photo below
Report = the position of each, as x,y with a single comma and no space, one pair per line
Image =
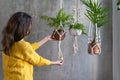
18,26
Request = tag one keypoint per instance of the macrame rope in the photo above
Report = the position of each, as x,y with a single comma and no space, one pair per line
97,38
60,55
90,33
92,48
96,31
75,44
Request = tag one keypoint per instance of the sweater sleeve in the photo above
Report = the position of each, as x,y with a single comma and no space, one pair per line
35,45
33,58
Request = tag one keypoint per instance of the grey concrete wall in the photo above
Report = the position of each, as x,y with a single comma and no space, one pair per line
81,66
116,42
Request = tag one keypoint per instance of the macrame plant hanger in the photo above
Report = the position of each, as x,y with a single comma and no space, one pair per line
75,14
97,37
60,54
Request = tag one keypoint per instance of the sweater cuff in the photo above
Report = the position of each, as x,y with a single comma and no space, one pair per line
44,62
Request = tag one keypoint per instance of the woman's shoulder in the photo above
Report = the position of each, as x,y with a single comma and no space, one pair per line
22,44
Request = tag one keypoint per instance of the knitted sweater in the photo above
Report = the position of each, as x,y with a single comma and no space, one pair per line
19,65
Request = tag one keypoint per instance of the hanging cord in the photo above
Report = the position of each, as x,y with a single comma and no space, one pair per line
90,33
97,40
60,55
99,36
96,35
90,37
75,44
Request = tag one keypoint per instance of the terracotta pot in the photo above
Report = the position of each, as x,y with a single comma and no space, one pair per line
75,32
93,48
58,34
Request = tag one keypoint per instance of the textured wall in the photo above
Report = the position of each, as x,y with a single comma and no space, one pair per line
116,42
81,66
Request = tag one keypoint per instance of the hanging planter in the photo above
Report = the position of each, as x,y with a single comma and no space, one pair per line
75,30
98,17
93,48
58,34
58,23
94,44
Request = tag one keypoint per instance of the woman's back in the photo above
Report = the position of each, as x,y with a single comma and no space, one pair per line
14,66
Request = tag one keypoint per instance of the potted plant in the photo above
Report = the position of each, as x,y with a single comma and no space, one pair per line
98,17
58,23
77,29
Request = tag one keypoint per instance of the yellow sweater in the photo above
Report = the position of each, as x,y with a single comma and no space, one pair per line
19,65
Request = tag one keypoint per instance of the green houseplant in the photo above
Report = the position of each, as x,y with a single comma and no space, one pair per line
77,29
58,23
98,17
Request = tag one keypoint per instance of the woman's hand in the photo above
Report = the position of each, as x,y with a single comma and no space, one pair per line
59,62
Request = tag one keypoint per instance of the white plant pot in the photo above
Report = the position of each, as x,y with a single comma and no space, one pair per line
75,32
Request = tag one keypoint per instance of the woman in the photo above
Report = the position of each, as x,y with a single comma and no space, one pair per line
18,55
